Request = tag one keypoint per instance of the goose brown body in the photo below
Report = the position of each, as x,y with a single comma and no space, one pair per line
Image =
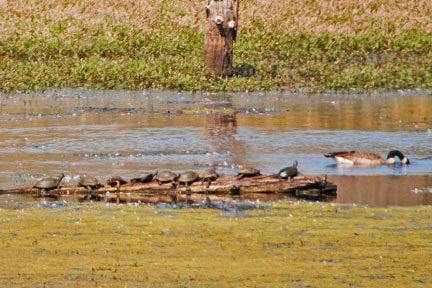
366,158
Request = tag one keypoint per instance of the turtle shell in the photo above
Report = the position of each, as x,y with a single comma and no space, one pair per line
188,177
289,172
166,176
116,179
88,181
209,174
249,172
49,183
146,177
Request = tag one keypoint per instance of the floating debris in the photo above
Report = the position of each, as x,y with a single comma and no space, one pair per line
259,111
422,190
53,205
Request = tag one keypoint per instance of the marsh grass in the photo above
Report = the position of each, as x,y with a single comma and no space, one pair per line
157,44
290,245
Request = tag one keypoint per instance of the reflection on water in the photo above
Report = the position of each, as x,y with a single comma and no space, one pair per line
384,190
104,133
378,190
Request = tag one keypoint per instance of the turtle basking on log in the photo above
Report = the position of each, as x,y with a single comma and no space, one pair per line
289,172
187,178
208,176
247,172
145,178
48,183
89,183
166,177
116,181
260,187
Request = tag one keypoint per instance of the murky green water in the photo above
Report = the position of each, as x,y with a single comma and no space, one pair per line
104,133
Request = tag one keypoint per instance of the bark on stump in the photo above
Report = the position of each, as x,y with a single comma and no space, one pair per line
220,33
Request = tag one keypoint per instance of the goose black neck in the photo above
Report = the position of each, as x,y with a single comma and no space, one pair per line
394,153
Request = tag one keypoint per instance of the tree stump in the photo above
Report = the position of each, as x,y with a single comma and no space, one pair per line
220,33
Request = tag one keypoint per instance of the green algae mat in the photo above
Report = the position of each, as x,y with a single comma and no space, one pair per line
287,245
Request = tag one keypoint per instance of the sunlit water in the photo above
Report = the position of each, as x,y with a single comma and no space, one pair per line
106,133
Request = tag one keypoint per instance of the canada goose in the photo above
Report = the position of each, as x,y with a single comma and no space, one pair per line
366,158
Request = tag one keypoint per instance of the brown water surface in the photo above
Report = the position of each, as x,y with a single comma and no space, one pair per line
384,190
115,132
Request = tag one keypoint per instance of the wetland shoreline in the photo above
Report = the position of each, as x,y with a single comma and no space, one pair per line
156,46
350,45
109,133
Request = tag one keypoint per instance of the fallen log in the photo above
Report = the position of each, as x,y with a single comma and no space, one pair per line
259,187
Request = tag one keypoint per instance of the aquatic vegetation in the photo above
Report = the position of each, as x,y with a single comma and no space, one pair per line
151,44
291,244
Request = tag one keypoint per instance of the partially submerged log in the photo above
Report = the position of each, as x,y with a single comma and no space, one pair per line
258,187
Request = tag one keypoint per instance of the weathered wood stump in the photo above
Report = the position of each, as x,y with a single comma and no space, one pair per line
220,32
266,187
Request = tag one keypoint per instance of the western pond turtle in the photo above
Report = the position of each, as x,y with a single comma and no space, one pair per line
188,178
247,172
208,176
165,177
116,181
289,172
89,183
145,178
48,183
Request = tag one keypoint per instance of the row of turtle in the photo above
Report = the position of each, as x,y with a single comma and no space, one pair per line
185,178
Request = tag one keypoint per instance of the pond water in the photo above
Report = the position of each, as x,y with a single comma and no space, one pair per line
103,133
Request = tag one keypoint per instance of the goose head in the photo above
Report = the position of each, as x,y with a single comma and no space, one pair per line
396,153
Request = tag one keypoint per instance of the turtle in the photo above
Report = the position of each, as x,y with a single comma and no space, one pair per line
244,70
208,176
188,178
48,183
89,183
247,172
116,181
165,177
289,172
145,178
